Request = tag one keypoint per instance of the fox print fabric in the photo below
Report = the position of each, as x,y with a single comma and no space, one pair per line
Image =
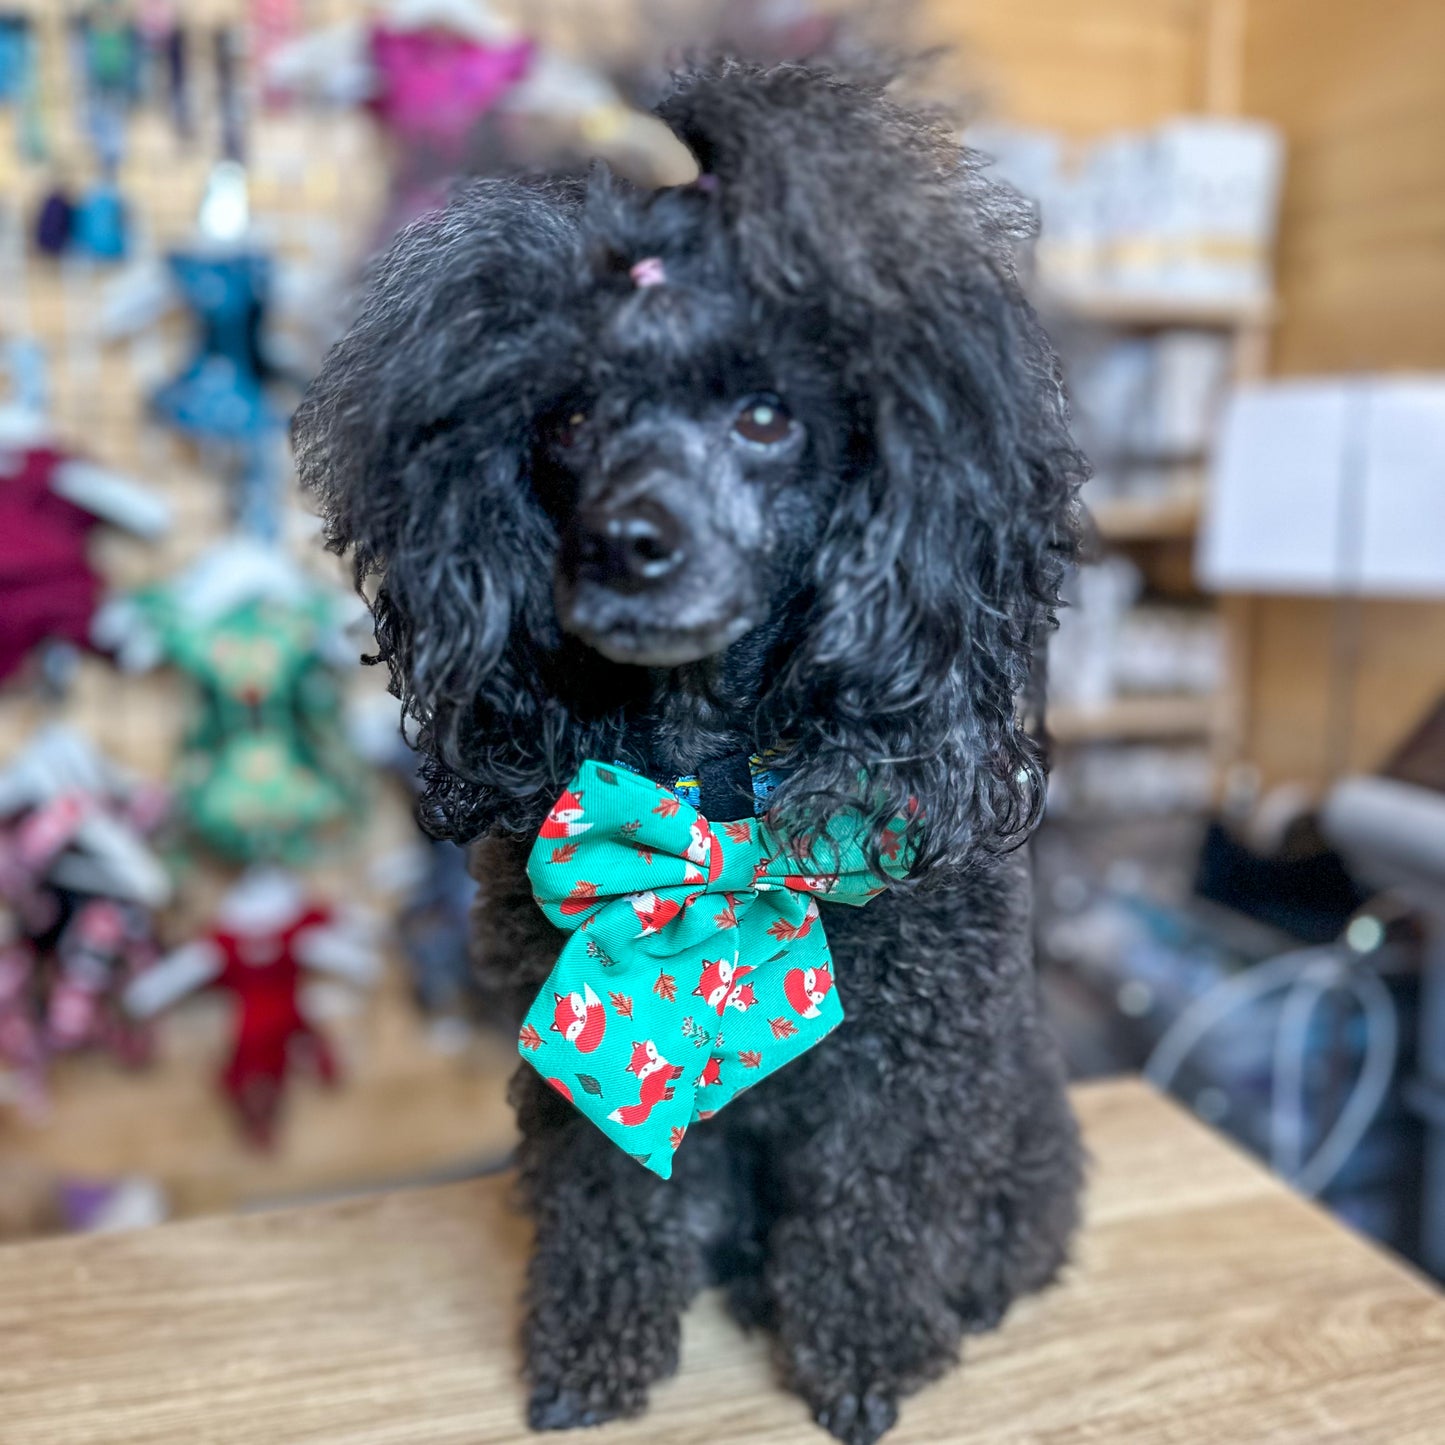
696,962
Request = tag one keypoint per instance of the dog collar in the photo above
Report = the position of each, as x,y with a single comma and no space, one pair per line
730,787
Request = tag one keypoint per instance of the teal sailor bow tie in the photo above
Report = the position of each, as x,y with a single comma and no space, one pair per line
696,962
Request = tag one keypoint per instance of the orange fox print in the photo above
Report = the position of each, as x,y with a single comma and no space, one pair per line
806,988
654,913
582,898
807,883
722,986
656,1078
784,930
580,1018
705,852
565,819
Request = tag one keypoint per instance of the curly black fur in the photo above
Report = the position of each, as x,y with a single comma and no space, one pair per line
892,568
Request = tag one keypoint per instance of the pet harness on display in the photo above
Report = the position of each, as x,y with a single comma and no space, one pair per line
266,770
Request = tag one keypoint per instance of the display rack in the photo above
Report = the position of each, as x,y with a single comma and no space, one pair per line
407,1109
1124,309
1159,532
1135,719
1172,517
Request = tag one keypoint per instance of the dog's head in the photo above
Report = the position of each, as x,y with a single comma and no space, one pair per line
588,439
693,454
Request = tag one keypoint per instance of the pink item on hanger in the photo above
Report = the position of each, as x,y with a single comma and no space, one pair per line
103,947
434,85
22,1051
274,23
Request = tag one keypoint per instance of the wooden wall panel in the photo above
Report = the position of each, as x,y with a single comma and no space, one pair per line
1083,68
1359,91
1335,685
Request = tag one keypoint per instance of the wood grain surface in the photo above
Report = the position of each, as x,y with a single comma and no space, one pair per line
1207,1305
1335,685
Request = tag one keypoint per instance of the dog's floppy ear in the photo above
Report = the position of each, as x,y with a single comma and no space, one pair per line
942,562
939,574
414,439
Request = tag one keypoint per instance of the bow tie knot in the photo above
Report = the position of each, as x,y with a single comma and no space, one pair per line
696,962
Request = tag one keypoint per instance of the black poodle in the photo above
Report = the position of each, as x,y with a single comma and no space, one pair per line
776,460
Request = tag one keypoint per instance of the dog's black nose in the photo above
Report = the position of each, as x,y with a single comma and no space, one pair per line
628,547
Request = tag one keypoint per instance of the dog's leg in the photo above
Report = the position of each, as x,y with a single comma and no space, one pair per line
1022,1230
614,1266
861,1316
909,1238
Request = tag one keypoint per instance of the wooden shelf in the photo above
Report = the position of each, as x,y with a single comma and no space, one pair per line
1171,517
1135,719
403,1112
1143,312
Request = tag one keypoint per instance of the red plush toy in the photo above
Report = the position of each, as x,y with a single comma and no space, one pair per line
267,938
263,971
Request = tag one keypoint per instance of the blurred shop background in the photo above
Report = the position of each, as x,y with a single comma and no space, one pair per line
232,971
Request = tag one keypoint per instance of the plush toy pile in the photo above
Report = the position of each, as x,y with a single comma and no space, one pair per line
79,885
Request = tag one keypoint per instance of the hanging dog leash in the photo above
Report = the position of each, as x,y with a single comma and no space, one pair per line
697,962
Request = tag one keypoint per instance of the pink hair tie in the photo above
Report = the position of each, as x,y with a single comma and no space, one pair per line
648,272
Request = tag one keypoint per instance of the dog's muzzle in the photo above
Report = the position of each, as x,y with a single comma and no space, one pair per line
630,581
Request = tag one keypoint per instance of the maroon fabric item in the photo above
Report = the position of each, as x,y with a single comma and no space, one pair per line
48,591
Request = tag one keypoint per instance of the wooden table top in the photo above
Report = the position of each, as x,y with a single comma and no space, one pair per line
1207,1305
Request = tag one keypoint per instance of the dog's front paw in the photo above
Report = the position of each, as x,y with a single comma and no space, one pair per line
858,1419
554,1407
590,1374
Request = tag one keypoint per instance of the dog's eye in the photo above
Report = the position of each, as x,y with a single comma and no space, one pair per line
569,429
764,421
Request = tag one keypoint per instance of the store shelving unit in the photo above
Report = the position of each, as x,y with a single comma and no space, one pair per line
1141,311
1158,531
1172,517
1135,719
